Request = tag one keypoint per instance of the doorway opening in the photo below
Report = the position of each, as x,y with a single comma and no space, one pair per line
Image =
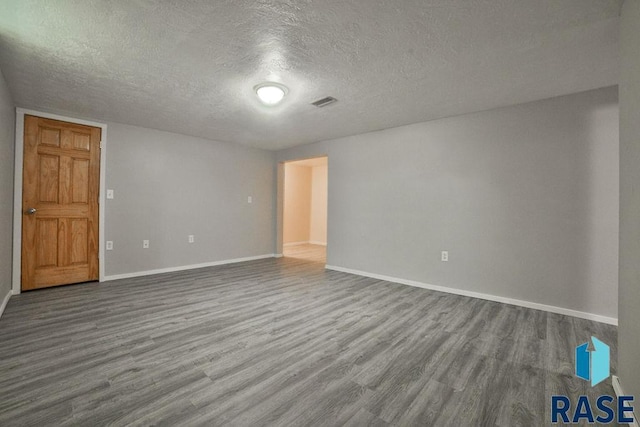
304,219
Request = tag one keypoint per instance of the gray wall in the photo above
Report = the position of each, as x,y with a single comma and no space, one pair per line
7,142
629,307
524,198
168,186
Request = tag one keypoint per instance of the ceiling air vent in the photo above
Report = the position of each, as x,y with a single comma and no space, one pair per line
324,101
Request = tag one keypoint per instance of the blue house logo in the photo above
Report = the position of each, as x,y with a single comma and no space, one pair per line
593,364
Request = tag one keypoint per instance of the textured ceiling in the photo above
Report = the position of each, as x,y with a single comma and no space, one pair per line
190,66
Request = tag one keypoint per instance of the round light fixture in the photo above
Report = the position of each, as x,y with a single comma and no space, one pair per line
270,93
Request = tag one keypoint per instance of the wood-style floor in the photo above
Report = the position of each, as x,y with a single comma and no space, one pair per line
282,342
314,253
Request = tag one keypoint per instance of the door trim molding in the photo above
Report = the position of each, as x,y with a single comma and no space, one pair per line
5,301
17,189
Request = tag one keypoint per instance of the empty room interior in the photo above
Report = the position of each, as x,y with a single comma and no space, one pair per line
291,213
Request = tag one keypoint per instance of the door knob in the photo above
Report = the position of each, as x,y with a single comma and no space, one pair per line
31,211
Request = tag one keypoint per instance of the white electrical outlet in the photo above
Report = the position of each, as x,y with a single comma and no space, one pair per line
109,245
145,244
191,238
249,199
109,194
445,256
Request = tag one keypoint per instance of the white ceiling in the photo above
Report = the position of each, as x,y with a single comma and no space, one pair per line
190,66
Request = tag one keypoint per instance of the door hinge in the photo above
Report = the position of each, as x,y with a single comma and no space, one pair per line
101,144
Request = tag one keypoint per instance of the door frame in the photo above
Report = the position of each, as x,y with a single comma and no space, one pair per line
17,190
280,201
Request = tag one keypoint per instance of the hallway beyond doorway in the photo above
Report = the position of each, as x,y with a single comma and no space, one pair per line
307,252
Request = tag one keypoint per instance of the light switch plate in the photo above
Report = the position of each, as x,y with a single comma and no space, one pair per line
109,194
109,245
249,199
145,244
191,238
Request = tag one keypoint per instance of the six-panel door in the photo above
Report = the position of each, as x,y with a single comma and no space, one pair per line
59,203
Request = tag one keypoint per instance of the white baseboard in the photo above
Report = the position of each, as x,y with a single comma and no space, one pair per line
521,303
185,267
278,255
617,387
306,242
5,301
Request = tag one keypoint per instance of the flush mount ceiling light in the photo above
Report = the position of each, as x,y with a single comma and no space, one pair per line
270,93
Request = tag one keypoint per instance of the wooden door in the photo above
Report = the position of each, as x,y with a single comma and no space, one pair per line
61,181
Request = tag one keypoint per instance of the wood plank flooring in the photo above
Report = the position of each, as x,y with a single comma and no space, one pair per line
282,342
314,253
